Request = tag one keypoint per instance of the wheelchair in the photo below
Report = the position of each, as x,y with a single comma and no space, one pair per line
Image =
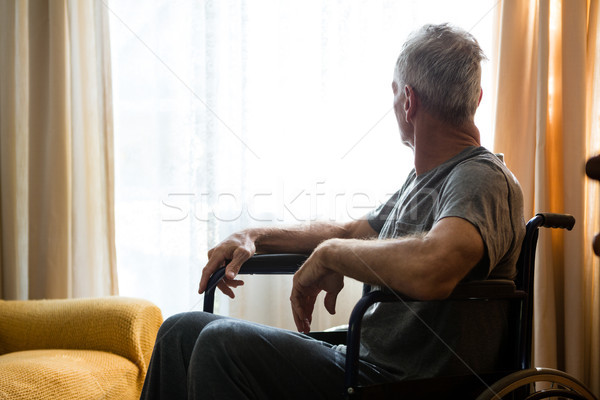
518,381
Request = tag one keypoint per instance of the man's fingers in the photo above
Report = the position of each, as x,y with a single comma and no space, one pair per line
230,253
240,256
225,286
330,300
302,309
233,282
296,313
302,322
211,266
299,321
226,289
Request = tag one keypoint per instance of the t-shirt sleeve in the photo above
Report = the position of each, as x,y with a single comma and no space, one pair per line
479,193
379,215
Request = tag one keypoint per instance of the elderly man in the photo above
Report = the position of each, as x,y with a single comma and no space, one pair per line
457,217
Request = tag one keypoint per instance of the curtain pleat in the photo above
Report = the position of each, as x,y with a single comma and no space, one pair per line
592,262
14,156
56,151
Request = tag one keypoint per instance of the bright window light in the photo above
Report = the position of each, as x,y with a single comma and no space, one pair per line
245,113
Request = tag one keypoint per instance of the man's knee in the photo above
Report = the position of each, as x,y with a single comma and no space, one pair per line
233,339
224,333
183,328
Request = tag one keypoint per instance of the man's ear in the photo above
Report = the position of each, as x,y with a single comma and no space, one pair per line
480,97
410,103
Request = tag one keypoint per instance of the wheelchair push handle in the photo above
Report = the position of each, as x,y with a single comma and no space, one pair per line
561,221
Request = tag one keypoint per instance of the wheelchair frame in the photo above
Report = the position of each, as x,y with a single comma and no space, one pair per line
517,383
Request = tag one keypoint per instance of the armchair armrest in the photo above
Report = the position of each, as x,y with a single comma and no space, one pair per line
119,325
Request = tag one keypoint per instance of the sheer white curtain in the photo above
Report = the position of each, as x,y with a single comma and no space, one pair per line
246,113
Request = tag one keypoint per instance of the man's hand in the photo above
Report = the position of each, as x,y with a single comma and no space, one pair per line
231,253
309,281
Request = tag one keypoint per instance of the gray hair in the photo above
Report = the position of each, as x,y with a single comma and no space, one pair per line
442,64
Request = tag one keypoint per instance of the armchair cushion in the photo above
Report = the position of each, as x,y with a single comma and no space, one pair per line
51,348
67,374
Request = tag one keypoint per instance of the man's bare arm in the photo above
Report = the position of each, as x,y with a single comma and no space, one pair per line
424,268
239,247
305,238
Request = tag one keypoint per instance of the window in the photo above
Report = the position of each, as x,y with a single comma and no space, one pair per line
242,113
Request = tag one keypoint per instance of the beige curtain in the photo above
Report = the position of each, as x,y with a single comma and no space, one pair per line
56,177
547,115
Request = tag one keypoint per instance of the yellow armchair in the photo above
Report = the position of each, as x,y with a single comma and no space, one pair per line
77,348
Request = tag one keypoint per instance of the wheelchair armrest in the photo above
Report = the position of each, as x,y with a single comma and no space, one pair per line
490,289
260,264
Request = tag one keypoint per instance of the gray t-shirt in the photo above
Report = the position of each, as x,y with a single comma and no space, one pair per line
423,339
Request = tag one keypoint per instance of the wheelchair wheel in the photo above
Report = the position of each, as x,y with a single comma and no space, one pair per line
538,383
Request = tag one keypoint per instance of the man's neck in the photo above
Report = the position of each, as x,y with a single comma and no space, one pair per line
436,142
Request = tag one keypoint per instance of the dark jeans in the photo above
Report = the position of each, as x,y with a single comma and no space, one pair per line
206,356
